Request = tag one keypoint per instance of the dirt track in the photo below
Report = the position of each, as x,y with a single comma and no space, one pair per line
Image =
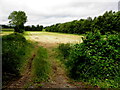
58,78
25,78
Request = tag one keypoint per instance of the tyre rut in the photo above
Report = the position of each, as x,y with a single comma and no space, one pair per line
25,78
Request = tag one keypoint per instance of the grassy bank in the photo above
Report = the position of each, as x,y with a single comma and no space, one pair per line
16,51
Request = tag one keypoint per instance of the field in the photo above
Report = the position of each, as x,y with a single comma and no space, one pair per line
48,37
54,38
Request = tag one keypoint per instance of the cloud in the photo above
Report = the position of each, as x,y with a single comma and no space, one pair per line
47,12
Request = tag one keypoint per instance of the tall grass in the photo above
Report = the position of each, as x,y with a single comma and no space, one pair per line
30,48
41,66
107,83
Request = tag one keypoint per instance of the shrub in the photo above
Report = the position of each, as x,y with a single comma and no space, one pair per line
14,37
95,57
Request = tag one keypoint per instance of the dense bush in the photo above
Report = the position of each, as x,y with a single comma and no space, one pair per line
95,57
96,60
109,22
13,49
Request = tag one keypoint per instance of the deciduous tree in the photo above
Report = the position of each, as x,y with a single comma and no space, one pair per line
18,18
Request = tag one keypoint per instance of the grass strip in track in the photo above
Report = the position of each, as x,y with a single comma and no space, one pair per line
41,66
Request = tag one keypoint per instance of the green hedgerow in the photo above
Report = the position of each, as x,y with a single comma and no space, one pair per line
95,57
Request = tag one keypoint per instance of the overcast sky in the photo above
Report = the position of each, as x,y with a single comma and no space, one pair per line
48,12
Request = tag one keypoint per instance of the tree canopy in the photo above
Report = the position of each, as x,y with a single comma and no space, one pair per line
18,18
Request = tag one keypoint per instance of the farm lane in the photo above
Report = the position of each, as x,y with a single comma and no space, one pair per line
58,78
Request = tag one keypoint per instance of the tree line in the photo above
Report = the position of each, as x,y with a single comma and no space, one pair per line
6,26
34,28
26,28
109,22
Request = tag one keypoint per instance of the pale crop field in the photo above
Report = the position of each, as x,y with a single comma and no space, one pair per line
48,37
55,38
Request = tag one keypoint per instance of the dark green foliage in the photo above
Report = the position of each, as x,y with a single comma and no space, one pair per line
7,26
95,57
65,49
18,19
34,28
13,37
13,49
19,28
108,23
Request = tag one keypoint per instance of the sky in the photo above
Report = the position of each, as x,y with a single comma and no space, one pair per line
48,12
